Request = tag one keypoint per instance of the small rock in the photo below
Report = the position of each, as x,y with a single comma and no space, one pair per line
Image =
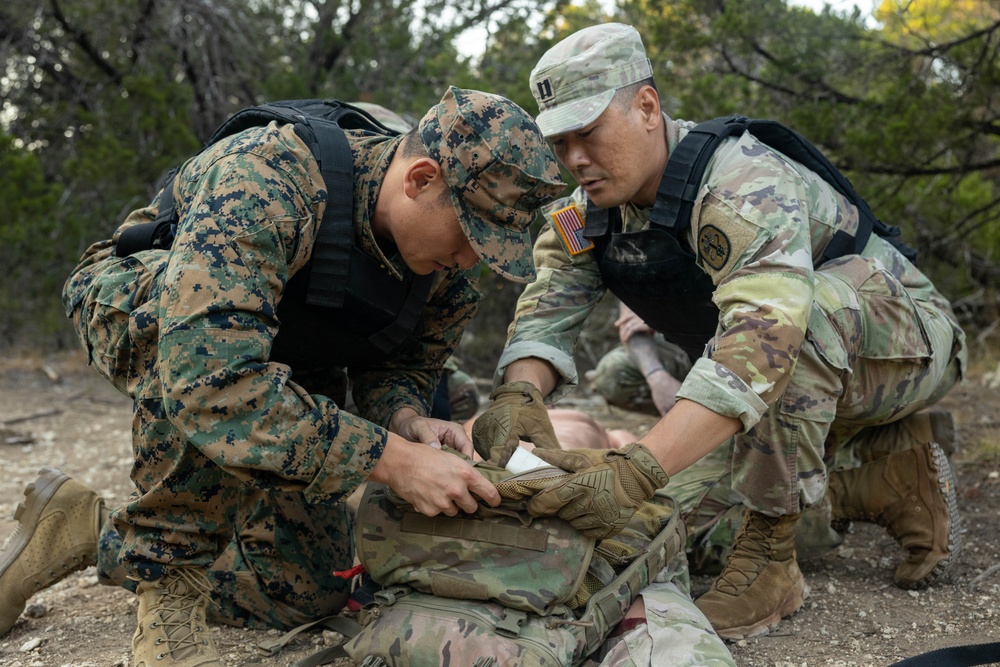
31,644
36,610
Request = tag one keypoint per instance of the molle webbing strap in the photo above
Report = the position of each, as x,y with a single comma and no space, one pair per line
476,530
331,257
609,602
341,624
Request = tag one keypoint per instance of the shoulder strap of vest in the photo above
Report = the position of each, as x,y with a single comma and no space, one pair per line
689,159
685,168
331,257
159,233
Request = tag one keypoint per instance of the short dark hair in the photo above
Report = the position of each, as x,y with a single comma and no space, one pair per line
624,95
411,146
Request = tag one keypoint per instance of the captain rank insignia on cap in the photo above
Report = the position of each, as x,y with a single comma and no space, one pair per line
569,222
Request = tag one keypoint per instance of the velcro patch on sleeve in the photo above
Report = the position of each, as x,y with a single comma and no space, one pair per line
570,225
721,240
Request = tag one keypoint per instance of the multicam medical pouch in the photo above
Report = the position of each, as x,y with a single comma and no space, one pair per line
500,587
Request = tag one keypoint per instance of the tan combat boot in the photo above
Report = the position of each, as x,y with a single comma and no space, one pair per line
57,531
761,583
172,629
912,495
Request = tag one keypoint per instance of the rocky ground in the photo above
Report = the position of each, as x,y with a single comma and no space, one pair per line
58,413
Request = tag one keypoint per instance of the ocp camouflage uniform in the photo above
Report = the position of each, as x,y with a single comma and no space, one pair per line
805,356
808,357
222,437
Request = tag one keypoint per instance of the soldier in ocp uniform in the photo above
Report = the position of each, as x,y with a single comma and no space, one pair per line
812,371
242,455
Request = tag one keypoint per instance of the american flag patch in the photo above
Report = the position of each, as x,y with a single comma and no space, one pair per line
569,222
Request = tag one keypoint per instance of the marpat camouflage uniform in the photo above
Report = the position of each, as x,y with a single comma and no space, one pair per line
216,428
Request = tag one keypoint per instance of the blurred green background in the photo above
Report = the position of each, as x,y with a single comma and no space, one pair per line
100,97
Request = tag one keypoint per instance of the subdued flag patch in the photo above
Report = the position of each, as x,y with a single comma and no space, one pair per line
569,222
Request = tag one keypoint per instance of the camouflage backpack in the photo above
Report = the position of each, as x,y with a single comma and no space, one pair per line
500,587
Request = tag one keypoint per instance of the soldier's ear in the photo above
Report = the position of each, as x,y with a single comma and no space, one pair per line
421,175
647,102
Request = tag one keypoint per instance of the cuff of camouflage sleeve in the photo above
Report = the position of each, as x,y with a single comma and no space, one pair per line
356,446
382,413
563,363
719,389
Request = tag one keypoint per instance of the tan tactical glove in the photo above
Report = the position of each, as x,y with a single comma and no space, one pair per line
608,487
517,413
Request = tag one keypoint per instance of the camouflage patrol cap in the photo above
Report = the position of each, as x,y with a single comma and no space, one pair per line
575,80
500,171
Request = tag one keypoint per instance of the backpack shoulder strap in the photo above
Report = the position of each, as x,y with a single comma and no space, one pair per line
606,608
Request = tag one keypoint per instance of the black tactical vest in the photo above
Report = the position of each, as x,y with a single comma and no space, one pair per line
653,271
342,309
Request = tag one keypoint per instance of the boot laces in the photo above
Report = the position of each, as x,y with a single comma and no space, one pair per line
749,556
182,593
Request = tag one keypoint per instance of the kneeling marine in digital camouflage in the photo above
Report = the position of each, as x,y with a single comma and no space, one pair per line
228,337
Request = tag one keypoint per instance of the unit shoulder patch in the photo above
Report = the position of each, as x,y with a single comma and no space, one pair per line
570,225
714,247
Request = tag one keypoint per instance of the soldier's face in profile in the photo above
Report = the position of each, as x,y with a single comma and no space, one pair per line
434,241
609,157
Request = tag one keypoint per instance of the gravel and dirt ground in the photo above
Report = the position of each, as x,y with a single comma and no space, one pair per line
57,412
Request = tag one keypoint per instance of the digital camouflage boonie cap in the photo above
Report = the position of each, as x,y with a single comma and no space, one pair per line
500,170
575,80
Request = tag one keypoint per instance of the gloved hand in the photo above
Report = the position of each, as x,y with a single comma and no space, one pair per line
607,489
517,412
